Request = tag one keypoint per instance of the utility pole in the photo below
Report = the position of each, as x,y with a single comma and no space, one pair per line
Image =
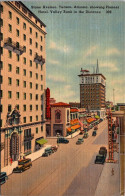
114,97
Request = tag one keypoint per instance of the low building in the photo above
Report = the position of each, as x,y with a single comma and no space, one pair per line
60,120
121,106
74,104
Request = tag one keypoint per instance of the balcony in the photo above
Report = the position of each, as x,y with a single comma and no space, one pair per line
12,46
39,59
2,145
28,137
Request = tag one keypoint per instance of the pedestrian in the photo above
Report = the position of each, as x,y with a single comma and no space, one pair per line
112,171
11,160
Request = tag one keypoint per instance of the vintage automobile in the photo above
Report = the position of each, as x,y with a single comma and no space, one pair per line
85,135
80,141
94,133
62,140
3,177
100,159
103,151
23,165
96,128
81,132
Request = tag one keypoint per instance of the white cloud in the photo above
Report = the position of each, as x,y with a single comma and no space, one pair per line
60,47
54,62
109,65
91,50
56,78
112,51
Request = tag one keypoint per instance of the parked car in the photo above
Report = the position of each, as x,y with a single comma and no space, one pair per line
23,165
85,135
49,150
45,154
62,140
100,159
80,141
81,132
54,148
103,151
94,133
85,130
3,177
95,128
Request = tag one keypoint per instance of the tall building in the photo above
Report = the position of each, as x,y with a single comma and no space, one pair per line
92,91
22,80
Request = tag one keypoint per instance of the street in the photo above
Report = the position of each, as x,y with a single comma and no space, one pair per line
69,171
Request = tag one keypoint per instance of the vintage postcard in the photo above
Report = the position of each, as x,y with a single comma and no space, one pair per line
62,98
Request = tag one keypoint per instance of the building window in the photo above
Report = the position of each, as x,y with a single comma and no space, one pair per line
1,64
41,48
24,84
17,82
41,38
17,70
24,37
17,33
17,20
36,117
31,107
10,54
67,115
24,119
30,63
18,57
36,45
30,96
36,21
30,30
24,60
10,28
1,79
36,34
1,93
30,74
1,8
9,81
24,108
36,96
36,129
24,48
41,128
24,72
30,118
36,86
36,107
9,94
9,67
41,87
30,84
30,41
41,67
10,15
1,50
9,108
30,52
41,77
24,26
36,65
36,75
17,95
24,96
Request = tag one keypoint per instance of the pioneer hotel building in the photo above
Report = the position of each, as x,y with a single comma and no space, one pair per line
22,81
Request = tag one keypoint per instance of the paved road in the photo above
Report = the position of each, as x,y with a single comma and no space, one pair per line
69,171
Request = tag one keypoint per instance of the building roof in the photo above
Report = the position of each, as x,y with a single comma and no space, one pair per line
99,74
60,104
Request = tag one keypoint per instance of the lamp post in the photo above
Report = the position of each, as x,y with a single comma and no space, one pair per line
58,139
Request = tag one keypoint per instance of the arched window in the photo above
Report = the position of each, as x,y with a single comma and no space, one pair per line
58,115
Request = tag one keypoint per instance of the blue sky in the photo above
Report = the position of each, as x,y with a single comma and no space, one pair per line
78,40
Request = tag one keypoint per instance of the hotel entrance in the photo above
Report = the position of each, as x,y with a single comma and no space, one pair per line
14,147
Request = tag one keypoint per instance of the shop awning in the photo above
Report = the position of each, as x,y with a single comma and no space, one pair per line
41,141
69,129
75,127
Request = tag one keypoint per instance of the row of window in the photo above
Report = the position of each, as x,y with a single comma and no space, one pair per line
18,95
18,68
24,24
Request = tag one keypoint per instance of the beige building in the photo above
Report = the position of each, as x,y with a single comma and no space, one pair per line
60,119
22,80
92,91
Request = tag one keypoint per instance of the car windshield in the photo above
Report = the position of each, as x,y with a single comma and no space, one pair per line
99,157
2,175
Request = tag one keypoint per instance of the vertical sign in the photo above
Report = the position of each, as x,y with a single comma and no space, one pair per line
110,142
47,103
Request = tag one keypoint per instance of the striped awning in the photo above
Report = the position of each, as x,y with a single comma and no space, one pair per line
75,127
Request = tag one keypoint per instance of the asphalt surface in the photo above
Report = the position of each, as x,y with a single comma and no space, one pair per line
69,171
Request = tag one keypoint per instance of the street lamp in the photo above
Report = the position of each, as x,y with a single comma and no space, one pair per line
58,139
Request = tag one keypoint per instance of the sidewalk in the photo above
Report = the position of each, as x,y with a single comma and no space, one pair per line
35,155
109,184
